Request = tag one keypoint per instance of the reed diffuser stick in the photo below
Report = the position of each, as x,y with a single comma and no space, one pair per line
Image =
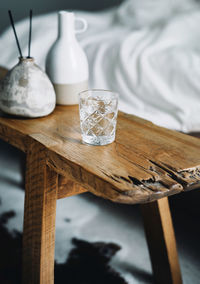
30,33
13,26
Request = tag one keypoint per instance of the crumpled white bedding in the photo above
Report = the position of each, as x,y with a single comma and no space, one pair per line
148,51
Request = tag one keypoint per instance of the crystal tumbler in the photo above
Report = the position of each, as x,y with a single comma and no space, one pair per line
98,116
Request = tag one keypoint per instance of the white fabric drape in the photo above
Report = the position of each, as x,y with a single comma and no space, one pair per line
148,51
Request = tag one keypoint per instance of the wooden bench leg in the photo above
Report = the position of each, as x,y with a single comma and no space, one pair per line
161,242
39,219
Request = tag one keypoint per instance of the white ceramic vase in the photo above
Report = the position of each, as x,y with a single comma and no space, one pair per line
66,62
27,91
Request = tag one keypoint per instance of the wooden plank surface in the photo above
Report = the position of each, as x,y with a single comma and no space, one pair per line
145,163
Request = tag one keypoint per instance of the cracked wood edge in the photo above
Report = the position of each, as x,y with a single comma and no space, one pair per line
165,180
141,192
188,178
119,188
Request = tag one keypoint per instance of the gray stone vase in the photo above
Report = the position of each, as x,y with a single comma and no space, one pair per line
27,91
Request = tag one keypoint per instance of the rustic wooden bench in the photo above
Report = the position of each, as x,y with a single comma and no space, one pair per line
144,165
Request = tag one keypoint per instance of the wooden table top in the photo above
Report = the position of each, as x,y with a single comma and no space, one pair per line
145,163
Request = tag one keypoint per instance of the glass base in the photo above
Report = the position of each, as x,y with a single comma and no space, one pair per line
98,140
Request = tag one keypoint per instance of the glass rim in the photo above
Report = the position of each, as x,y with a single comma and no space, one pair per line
98,90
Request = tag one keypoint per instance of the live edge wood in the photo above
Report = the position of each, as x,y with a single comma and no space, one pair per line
145,163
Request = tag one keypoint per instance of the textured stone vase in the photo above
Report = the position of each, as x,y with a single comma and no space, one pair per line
27,91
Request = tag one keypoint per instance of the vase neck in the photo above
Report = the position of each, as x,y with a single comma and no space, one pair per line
25,60
66,25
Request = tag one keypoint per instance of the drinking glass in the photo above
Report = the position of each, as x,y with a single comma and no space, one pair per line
98,116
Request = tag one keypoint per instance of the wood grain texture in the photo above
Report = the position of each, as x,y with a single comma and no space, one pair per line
11,135
161,242
68,188
145,163
39,218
